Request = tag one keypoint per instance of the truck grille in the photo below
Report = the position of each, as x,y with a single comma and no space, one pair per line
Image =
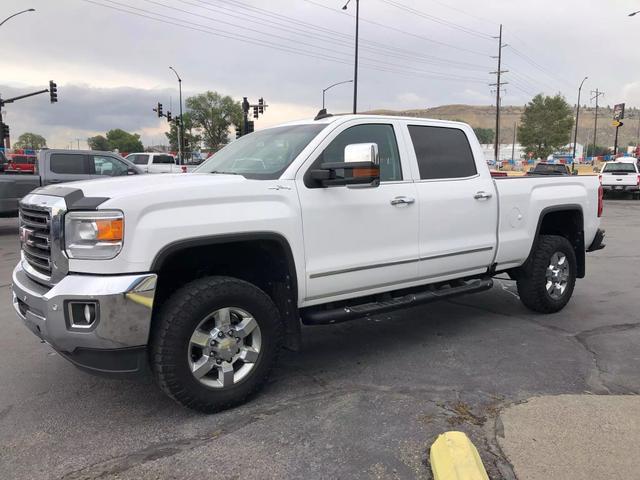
35,235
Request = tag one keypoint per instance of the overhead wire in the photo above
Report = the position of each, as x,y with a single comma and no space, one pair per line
391,68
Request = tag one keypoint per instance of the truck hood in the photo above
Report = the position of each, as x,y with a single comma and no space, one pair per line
152,187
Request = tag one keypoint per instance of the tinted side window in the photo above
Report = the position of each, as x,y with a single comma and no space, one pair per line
442,152
109,166
139,159
68,163
382,135
163,159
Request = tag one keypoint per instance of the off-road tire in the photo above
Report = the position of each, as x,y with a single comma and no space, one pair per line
532,278
177,319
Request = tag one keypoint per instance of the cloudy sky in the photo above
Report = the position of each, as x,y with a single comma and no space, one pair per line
110,58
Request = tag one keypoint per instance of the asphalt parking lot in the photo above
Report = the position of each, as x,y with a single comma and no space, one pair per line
364,399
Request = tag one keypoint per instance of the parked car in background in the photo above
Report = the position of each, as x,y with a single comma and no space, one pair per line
58,166
621,175
151,162
319,222
21,163
544,168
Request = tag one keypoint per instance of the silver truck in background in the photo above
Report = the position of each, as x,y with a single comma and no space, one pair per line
58,166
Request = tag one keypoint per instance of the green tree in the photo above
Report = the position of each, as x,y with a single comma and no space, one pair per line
124,141
99,142
31,141
546,125
485,135
599,150
191,139
214,114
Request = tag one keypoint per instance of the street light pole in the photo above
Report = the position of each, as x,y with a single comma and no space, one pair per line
355,67
330,87
180,123
575,134
16,14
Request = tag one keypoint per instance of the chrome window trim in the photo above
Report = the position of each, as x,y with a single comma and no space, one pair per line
451,179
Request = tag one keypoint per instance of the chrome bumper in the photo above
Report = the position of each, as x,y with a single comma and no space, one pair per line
124,304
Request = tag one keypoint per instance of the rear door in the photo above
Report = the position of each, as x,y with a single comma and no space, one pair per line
161,163
67,167
457,201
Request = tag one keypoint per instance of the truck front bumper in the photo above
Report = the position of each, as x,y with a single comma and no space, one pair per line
100,323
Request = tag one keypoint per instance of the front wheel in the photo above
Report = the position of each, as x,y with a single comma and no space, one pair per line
215,342
546,282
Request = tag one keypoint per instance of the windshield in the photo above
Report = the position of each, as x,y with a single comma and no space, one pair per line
626,167
262,155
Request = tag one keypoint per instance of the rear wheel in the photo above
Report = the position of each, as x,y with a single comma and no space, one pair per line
215,343
546,282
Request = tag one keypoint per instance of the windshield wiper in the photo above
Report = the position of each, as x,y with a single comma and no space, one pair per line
224,173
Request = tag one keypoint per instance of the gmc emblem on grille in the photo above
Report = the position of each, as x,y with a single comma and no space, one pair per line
26,236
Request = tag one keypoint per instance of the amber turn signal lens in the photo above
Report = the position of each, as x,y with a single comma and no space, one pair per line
110,229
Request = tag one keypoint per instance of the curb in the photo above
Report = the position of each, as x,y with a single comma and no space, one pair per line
454,457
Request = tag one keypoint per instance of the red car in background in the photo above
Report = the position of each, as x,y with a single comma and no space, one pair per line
21,163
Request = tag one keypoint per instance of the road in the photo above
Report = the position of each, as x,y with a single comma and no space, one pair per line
364,399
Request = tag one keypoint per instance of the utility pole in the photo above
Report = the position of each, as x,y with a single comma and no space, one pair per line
513,145
575,135
498,84
179,124
596,94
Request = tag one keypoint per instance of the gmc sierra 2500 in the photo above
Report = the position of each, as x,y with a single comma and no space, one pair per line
203,277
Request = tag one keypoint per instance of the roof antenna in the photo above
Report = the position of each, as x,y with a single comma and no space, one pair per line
323,114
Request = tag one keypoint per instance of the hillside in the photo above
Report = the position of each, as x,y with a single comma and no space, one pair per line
484,117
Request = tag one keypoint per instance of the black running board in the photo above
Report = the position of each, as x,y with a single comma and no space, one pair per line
317,316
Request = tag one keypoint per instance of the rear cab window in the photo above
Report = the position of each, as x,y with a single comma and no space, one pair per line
620,167
69,163
442,152
164,159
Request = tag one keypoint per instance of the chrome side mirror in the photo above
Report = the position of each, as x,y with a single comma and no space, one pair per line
362,152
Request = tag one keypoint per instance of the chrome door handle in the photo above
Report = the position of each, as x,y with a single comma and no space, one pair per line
403,201
482,195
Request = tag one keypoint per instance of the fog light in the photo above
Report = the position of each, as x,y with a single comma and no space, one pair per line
82,315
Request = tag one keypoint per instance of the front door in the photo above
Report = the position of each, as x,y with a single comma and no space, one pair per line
359,239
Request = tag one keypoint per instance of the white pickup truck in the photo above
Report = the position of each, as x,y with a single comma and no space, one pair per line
202,277
620,176
152,162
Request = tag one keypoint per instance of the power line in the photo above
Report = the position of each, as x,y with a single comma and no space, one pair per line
464,12
438,20
280,37
328,35
399,30
535,64
284,48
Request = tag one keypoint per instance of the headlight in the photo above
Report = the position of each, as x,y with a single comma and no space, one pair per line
94,235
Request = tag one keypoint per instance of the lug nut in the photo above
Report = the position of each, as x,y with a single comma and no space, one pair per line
220,335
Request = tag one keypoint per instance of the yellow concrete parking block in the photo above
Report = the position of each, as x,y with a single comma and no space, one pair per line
454,457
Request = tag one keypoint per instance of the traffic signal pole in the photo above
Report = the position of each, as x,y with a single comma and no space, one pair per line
615,142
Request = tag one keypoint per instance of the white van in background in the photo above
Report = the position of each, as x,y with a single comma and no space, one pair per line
151,162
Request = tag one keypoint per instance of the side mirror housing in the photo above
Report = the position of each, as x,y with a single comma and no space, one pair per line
131,171
361,166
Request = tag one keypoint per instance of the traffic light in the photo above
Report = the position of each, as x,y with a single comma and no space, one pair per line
53,91
249,127
4,131
159,109
261,105
168,116
255,111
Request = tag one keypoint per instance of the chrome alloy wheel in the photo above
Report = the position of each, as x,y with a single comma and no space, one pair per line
224,347
557,275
